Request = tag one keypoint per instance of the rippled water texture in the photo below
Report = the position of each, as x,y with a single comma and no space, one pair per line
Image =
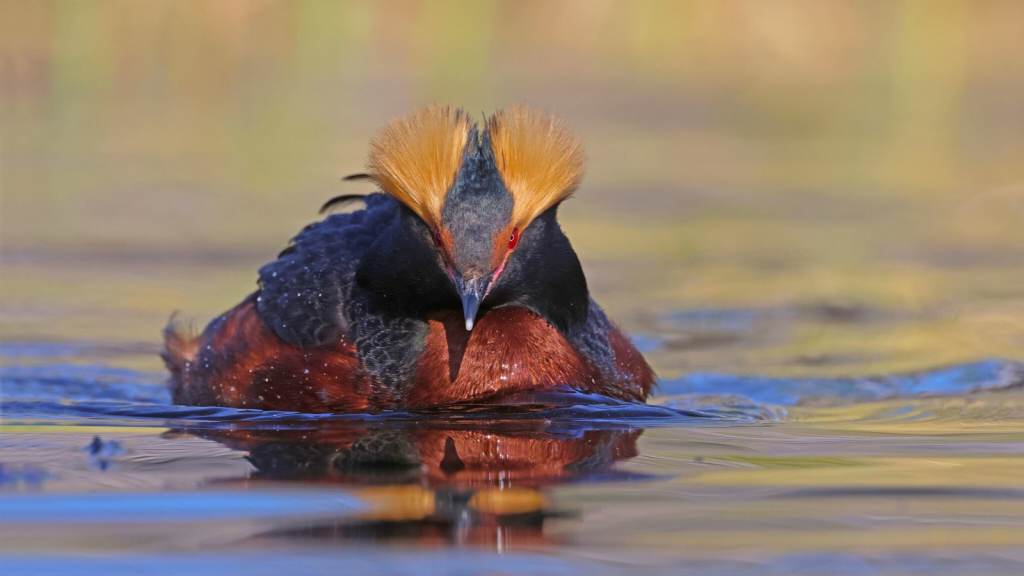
916,473
806,214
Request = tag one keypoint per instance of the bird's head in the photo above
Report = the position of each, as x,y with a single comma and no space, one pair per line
479,192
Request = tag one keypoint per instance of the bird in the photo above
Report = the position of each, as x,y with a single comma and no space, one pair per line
454,285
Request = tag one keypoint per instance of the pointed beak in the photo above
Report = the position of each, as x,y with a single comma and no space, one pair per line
472,293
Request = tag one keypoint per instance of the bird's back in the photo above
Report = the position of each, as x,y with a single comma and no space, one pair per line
303,292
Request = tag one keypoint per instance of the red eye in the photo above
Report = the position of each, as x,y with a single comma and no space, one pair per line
437,237
513,240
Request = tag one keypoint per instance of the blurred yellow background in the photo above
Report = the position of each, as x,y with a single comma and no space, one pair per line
849,173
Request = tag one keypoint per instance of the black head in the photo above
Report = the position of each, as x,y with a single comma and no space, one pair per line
504,186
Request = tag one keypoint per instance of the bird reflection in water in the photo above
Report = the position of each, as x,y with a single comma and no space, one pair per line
480,483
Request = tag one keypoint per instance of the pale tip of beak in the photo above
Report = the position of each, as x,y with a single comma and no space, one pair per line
469,324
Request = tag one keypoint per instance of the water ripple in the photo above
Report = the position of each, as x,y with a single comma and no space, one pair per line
105,394
987,375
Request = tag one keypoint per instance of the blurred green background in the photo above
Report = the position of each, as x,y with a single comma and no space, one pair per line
833,186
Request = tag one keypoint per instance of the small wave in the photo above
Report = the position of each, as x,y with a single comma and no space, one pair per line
172,506
584,415
71,382
988,375
76,349
102,394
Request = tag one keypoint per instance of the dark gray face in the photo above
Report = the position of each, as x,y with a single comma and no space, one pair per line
476,211
477,208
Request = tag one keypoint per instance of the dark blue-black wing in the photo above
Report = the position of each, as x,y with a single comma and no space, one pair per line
303,292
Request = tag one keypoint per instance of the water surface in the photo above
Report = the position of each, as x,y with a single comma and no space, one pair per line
916,473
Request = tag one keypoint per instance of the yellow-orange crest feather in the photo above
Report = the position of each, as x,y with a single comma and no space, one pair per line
540,160
415,158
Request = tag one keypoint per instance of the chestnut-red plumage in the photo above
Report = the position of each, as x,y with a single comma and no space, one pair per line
239,362
449,288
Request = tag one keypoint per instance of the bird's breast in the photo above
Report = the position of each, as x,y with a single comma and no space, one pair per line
510,349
